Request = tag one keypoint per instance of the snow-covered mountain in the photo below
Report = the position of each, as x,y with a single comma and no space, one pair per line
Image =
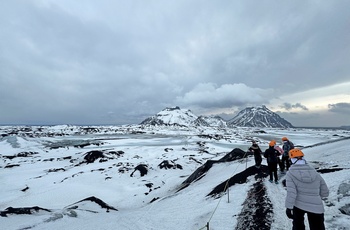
259,117
212,121
171,116
174,116
250,117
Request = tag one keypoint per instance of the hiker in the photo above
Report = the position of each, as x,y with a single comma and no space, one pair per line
285,161
257,153
279,159
305,190
271,154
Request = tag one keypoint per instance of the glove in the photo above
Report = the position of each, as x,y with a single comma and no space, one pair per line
289,213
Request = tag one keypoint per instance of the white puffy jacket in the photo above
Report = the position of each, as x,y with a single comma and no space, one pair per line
305,188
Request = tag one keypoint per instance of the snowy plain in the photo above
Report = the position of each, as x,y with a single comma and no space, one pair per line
54,176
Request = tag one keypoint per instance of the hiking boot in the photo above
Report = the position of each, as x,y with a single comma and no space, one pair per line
276,182
271,181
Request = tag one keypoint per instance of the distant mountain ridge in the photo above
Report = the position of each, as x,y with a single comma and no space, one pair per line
259,116
250,117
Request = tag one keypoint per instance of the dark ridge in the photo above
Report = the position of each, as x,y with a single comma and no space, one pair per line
21,154
211,136
326,142
142,168
240,178
169,165
93,155
235,154
99,202
257,209
21,211
11,166
25,189
154,199
329,170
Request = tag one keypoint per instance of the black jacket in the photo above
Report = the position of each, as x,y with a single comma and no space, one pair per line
271,154
256,149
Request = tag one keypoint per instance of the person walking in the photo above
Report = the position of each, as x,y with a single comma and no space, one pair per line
285,161
279,159
257,153
271,154
305,190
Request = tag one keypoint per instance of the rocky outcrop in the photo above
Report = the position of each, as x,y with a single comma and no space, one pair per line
235,154
142,168
22,211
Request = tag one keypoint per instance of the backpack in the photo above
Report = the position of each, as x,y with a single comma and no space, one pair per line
271,155
291,145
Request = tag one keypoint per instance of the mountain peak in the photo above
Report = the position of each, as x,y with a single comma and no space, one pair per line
171,116
171,108
175,116
259,116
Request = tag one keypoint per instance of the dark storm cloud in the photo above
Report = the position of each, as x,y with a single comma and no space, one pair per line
340,108
85,62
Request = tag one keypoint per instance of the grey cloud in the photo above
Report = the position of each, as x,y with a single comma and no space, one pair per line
208,95
73,62
343,108
315,119
289,106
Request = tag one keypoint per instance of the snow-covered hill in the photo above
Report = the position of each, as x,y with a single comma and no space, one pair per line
175,116
171,116
259,117
56,182
212,121
249,117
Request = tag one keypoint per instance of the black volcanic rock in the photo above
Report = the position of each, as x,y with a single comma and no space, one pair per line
169,165
21,211
142,168
240,178
21,154
259,117
235,154
96,200
91,156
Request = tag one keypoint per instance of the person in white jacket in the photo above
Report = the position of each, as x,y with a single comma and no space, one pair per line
305,190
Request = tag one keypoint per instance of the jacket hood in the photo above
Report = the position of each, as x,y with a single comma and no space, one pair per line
303,173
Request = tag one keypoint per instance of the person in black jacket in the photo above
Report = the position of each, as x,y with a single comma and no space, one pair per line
271,154
285,162
257,153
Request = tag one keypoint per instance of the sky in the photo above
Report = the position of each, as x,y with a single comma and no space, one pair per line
119,62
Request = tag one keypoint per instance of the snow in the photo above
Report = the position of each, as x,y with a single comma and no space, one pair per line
57,183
